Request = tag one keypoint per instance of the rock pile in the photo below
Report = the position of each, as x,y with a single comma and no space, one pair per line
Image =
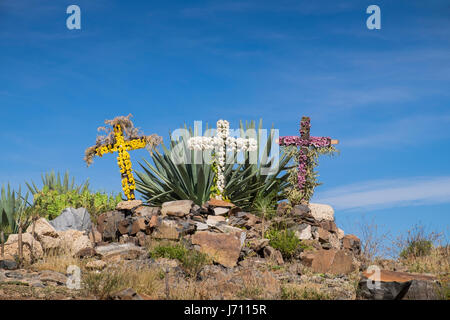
314,224
228,234
218,228
45,238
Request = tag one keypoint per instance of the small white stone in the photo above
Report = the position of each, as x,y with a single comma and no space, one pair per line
221,211
201,226
304,234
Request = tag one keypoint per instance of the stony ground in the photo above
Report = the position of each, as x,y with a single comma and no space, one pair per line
164,278
183,251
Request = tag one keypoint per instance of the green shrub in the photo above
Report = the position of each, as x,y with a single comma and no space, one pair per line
417,242
50,203
418,248
285,241
57,194
192,261
265,205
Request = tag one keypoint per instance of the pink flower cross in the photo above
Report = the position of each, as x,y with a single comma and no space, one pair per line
304,141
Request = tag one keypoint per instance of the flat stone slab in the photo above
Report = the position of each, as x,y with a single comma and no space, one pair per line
178,208
213,220
219,211
113,250
128,205
220,203
391,276
201,226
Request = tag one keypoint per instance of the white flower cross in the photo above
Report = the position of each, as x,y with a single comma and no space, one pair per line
219,144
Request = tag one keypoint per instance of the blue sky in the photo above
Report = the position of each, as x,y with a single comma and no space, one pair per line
383,93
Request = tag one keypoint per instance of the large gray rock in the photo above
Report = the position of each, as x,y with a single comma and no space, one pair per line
72,219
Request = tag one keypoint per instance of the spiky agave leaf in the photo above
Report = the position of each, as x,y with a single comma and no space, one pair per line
12,208
172,178
275,182
169,179
53,182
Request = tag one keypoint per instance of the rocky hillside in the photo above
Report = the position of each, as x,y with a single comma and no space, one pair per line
185,251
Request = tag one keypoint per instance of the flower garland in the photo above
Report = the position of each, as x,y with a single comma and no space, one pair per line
219,143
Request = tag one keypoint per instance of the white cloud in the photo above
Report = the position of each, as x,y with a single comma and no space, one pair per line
378,194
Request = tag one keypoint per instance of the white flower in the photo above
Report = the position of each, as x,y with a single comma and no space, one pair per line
219,143
194,143
252,144
241,144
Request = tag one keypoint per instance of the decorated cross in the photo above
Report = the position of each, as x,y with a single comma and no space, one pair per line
123,138
219,144
305,141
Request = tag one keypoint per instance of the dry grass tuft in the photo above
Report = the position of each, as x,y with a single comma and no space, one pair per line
57,262
436,262
304,291
144,280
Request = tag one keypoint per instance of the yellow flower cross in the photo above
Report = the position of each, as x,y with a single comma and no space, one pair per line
122,146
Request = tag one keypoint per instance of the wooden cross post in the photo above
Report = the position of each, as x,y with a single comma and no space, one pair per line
219,144
304,141
122,146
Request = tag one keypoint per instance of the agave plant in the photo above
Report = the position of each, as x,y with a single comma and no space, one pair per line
276,181
53,182
12,209
172,176
172,179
